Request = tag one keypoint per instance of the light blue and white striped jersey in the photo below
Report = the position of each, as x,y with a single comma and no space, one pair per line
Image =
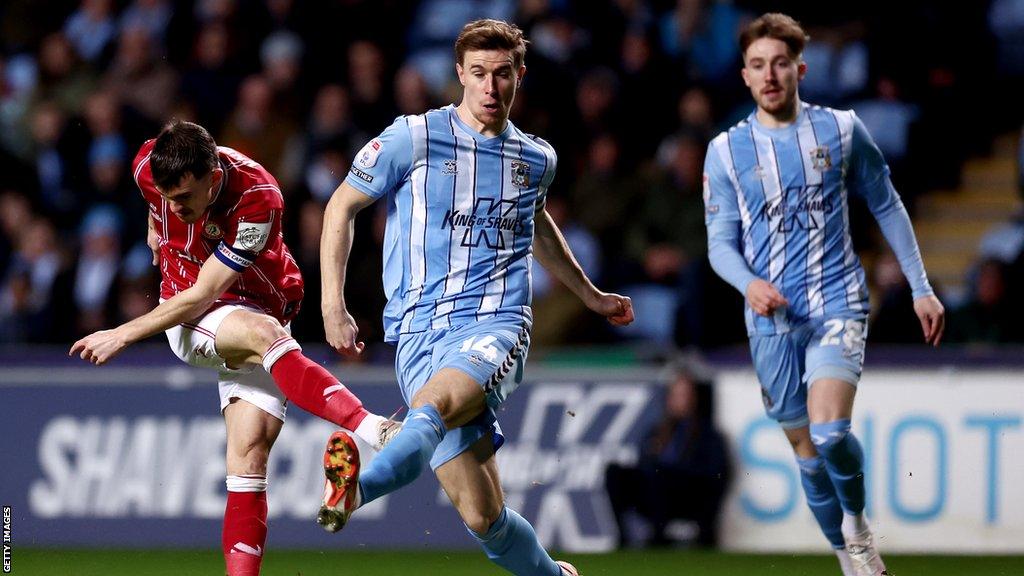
460,208
776,208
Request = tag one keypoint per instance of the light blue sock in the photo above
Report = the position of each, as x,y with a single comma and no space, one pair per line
844,460
406,456
821,497
512,544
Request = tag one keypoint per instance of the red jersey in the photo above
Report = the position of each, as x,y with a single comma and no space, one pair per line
241,228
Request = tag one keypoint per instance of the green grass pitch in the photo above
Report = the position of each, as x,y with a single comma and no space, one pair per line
43,562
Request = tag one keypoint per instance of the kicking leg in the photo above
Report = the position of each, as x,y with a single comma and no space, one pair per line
245,336
471,482
251,433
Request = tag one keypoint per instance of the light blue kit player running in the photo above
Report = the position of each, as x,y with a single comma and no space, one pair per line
464,190
775,194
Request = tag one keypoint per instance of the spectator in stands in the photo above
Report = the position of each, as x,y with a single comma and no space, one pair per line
154,16
63,79
560,317
604,191
97,268
665,244
670,216
138,285
330,126
91,28
15,215
412,94
701,36
54,164
18,78
893,321
370,89
695,113
253,129
684,468
890,121
988,316
607,80
30,294
143,81
211,80
281,57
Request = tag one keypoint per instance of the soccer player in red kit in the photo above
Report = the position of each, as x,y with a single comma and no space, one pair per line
229,289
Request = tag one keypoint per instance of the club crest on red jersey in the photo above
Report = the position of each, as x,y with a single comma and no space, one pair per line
213,231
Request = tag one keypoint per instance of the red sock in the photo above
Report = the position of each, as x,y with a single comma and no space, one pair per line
245,532
311,387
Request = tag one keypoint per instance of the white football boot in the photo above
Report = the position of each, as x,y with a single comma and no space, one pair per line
860,545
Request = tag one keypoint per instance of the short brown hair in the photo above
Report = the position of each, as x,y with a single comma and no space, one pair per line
490,34
777,26
182,148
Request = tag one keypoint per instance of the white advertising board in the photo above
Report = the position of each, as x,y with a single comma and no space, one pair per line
944,452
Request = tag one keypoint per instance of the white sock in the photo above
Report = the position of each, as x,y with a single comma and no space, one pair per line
845,563
854,524
280,347
369,430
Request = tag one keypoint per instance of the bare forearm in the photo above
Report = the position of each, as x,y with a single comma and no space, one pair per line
554,254
335,248
183,307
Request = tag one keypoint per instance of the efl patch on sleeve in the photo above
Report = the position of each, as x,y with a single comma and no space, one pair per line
252,236
367,157
234,258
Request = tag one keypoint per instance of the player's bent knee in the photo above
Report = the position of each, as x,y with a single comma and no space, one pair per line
441,401
801,444
480,521
827,436
455,395
800,440
264,332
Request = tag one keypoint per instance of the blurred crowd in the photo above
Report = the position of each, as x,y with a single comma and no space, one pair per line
628,91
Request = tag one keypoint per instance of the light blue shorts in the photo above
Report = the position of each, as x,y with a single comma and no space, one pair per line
787,364
492,351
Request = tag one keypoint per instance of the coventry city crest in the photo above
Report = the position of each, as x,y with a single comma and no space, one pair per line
521,174
821,160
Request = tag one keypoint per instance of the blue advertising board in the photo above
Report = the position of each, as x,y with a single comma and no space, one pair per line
135,458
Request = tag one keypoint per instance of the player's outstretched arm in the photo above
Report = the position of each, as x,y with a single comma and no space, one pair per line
553,253
335,247
214,278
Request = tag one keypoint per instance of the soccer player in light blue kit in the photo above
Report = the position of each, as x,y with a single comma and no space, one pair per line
775,195
465,194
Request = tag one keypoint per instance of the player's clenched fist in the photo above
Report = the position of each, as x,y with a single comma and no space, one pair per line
764,298
616,308
341,331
